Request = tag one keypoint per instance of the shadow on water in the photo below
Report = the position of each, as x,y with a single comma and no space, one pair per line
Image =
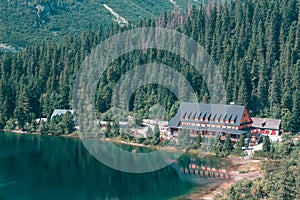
47,167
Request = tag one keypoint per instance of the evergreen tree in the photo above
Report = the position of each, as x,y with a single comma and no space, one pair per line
138,120
187,139
241,142
115,129
156,133
197,142
68,123
108,129
149,132
181,137
295,116
20,116
43,128
266,144
227,147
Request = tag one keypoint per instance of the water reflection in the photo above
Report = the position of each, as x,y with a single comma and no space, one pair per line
46,167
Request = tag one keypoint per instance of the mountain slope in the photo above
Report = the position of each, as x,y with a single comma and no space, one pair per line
31,21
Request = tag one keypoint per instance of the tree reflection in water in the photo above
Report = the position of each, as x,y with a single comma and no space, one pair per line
47,167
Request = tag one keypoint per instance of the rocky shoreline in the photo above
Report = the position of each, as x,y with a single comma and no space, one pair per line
239,166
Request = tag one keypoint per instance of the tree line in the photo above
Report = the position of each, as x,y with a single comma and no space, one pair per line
254,43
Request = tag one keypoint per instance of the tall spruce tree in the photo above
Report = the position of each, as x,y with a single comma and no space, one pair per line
228,146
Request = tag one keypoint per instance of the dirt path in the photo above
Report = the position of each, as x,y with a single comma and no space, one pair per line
241,169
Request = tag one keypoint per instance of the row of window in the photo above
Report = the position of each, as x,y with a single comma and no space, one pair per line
209,125
272,132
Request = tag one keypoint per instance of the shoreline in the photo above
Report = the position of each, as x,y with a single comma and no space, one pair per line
75,135
253,168
240,166
19,132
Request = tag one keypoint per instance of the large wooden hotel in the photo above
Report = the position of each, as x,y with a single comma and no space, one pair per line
210,120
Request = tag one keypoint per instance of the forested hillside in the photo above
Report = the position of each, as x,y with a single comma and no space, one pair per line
24,22
255,44
280,174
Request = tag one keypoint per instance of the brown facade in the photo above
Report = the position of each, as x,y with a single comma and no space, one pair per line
211,120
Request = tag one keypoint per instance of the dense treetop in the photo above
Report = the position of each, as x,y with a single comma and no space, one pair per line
255,44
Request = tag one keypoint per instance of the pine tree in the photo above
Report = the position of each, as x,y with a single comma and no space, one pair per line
108,129
266,144
20,116
275,93
156,133
227,147
67,123
149,132
197,142
187,139
181,136
115,129
295,116
43,128
241,142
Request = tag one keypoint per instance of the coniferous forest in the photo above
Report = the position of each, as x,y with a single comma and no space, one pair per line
255,44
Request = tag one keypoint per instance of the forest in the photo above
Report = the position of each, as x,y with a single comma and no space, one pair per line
280,174
254,43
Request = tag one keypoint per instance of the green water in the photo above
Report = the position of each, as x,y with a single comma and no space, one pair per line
47,167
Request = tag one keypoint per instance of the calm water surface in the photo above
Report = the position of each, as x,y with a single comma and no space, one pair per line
47,167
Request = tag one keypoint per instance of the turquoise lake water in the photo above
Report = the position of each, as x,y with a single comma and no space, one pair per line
48,167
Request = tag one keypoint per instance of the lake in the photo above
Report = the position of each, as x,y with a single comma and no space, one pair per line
49,167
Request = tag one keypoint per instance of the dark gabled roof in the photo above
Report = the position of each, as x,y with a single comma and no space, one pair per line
266,123
232,112
174,122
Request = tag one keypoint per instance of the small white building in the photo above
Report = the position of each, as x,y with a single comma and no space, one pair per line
40,120
266,126
58,112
